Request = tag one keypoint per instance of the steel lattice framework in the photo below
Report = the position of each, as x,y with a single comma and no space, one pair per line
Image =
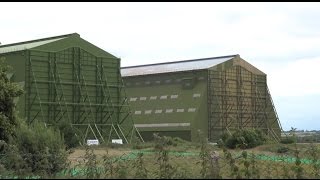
77,87
238,99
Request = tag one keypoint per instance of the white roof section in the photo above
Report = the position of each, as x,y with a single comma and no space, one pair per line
7,48
187,65
21,47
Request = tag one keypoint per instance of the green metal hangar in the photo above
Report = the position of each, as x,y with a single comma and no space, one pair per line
214,95
71,81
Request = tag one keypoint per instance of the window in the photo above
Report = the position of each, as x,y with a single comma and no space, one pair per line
169,110
143,98
164,97
174,96
157,82
200,78
133,99
180,110
187,83
196,95
158,111
192,110
168,81
153,97
147,82
138,83
137,112
147,111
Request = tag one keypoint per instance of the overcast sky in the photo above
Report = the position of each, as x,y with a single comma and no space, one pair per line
281,39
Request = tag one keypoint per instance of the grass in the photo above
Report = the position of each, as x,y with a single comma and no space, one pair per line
182,160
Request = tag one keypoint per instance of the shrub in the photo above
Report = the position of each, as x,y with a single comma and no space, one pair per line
11,159
288,140
8,91
140,168
26,149
68,133
42,148
245,138
282,149
139,145
163,141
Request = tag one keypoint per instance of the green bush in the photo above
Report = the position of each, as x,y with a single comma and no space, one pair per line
288,140
42,148
11,159
68,133
35,149
142,145
282,149
26,149
8,91
244,138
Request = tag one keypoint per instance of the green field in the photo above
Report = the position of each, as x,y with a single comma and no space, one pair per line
175,158
183,160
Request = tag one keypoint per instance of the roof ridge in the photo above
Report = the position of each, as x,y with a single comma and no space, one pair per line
182,61
38,40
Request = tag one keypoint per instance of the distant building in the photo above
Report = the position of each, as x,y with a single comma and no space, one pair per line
215,95
69,80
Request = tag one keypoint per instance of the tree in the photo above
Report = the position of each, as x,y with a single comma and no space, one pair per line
26,147
8,91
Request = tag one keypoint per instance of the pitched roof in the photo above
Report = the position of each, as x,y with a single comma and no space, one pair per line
31,44
186,65
57,44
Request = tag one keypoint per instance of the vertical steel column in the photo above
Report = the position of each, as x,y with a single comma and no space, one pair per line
37,94
118,92
28,84
103,98
209,105
97,88
238,111
49,87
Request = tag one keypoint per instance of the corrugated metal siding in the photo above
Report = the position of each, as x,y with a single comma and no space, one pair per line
174,66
